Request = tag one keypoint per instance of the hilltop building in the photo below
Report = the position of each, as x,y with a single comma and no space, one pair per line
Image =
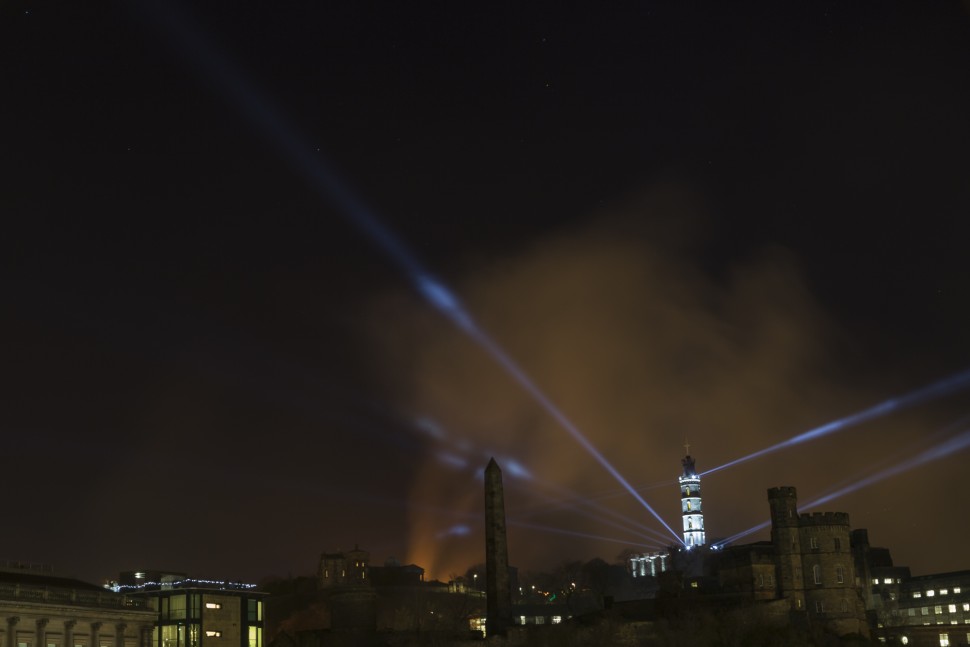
652,564
343,568
690,502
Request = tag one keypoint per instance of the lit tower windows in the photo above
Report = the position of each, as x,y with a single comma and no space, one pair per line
690,502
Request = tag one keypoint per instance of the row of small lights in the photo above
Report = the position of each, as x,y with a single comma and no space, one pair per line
238,585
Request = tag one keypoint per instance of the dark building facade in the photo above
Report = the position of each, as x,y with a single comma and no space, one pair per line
343,568
921,611
41,609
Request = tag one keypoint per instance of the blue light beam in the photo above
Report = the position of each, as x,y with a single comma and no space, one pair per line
946,448
936,390
583,535
308,162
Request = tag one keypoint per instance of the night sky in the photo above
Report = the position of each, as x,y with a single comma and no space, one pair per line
681,220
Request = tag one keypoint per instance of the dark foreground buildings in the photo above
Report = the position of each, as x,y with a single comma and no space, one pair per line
41,609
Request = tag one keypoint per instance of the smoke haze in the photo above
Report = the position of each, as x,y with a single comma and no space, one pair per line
642,348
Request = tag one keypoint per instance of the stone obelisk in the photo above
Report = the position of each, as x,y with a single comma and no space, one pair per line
498,593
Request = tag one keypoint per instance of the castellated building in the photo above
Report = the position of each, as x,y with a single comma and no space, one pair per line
808,567
815,563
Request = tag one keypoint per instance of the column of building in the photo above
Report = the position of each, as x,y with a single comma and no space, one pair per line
40,634
12,631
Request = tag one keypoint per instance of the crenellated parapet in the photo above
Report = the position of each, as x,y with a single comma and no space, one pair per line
785,491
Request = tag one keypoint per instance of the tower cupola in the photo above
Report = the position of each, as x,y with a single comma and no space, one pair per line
690,502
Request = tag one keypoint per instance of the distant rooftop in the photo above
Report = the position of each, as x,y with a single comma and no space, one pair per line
21,565
41,585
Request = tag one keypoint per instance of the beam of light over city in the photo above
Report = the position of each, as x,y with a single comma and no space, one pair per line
458,454
946,448
593,510
936,390
624,524
307,160
582,535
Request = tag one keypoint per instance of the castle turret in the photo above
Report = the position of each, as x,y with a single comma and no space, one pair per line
690,502
783,502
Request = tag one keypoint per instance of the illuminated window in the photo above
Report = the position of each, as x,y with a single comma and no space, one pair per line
212,605
911,611
916,594
952,608
173,635
817,574
966,606
887,580
875,580
839,575
254,610
956,589
944,640
693,584
930,593
213,634
944,591
904,640
938,609
924,611
255,637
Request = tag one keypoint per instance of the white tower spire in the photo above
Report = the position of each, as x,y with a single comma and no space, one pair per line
690,502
